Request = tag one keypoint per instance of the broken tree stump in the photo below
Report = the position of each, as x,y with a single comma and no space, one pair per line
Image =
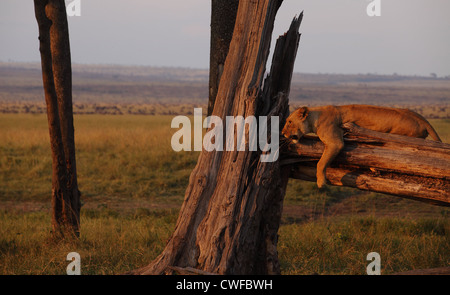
229,220
398,165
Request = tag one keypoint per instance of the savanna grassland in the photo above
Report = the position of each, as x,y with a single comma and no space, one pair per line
133,183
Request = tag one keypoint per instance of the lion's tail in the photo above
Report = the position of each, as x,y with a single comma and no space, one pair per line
432,132
430,129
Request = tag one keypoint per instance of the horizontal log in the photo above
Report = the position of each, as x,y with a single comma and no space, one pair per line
393,164
392,156
430,190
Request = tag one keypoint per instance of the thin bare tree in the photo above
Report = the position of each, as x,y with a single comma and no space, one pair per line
54,48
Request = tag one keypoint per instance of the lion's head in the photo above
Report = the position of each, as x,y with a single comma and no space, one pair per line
296,124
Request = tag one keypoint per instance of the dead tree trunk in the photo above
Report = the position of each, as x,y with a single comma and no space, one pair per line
57,79
229,220
398,165
223,18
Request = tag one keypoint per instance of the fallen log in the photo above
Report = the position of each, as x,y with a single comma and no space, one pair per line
386,163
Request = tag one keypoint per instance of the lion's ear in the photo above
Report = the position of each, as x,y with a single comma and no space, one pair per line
303,113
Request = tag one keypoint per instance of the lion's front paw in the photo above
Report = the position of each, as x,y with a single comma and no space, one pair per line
321,181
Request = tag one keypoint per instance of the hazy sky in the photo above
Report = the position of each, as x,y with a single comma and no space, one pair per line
410,37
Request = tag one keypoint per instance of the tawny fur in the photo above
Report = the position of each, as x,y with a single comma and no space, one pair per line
326,122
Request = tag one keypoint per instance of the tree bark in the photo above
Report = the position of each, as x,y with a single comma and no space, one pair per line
223,18
54,48
398,165
229,220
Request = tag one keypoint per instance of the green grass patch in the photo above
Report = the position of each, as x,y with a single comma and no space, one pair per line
340,246
114,242
111,242
117,156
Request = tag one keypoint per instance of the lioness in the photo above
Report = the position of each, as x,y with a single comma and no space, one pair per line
326,122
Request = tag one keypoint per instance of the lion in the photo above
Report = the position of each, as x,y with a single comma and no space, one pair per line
326,122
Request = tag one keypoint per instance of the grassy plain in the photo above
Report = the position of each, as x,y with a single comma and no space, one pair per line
133,185
101,89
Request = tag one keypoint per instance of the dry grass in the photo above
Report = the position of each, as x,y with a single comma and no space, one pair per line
133,184
111,243
117,156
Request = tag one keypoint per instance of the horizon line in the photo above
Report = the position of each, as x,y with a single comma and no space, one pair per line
395,74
